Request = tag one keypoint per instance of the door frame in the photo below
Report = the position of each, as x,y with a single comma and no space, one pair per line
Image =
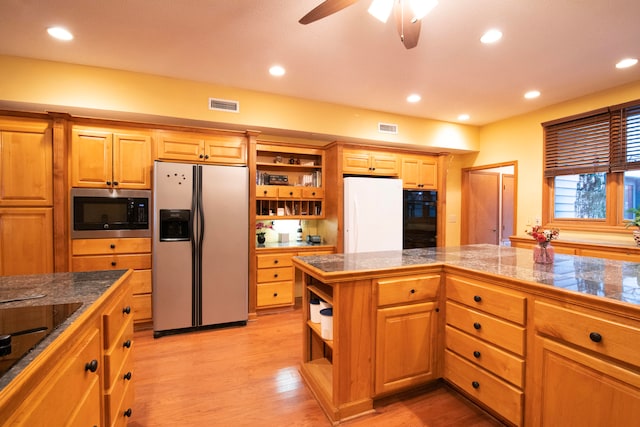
465,194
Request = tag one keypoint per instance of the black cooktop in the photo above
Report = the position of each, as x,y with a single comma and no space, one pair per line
22,328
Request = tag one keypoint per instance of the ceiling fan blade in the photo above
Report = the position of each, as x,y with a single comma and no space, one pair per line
408,30
324,9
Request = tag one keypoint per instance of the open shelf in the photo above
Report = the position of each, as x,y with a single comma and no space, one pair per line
316,328
321,293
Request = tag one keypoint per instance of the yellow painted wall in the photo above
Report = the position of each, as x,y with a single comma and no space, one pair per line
66,86
521,138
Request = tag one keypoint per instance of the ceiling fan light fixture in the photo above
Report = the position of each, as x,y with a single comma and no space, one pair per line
381,9
421,8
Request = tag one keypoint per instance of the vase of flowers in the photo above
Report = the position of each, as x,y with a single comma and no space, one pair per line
543,253
635,222
262,228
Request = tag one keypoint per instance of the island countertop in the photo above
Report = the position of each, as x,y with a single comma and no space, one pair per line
615,281
55,288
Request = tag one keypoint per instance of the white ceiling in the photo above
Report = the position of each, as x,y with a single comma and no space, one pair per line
564,48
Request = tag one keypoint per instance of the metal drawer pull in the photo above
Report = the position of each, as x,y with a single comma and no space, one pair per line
126,310
413,291
477,325
127,376
113,263
475,384
476,354
127,344
91,366
595,337
128,413
477,298
112,246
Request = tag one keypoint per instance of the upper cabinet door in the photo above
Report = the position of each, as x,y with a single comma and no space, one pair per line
131,161
91,158
26,163
420,172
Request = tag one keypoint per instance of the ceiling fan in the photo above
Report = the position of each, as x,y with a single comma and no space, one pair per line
408,15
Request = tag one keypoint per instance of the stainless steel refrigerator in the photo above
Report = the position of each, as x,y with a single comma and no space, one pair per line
200,247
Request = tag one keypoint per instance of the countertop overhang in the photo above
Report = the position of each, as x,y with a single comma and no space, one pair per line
606,280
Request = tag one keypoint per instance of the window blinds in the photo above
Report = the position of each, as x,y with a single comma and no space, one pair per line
606,140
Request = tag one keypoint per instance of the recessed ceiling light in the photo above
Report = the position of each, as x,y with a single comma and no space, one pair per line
414,97
532,94
60,33
491,36
463,117
627,62
277,70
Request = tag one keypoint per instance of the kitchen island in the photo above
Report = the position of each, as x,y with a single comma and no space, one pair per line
530,343
76,366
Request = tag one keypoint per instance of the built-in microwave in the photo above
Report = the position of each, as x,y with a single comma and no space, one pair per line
105,213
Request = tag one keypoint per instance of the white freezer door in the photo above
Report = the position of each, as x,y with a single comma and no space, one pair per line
372,214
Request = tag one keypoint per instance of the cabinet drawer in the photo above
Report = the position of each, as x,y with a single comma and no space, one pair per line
266,191
274,260
115,319
496,331
115,356
491,391
312,193
407,289
275,274
115,403
483,297
278,293
142,307
111,262
589,331
503,364
141,281
110,246
289,192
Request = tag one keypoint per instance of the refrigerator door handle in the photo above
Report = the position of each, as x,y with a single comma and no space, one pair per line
354,224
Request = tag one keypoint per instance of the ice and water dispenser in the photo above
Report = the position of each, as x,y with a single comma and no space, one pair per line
175,225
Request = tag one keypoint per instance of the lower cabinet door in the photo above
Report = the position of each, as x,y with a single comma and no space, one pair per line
405,346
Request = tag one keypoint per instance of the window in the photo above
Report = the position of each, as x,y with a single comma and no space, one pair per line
592,167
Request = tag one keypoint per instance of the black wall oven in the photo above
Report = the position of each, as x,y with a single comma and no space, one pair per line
105,213
420,219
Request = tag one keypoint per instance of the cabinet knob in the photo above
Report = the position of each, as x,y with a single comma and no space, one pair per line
91,366
108,182
475,384
413,291
477,298
128,413
112,246
201,156
265,192
113,263
313,194
127,344
115,182
127,376
275,261
206,156
595,337
275,275
126,310
477,325
476,354
275,294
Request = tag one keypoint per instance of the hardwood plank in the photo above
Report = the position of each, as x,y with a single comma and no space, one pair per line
249,375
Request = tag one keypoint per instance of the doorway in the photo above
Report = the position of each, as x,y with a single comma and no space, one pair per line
489,203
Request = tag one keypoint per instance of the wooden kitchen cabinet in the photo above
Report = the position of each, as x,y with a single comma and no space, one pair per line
406,332
202,147
584,356
485,339
110,158
117,254
274,280
26,241
370,162
289,182
419,172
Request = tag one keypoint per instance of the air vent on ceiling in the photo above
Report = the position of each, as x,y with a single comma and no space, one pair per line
224,105
387,128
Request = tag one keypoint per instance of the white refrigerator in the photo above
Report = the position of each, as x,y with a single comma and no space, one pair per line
200,246
372,214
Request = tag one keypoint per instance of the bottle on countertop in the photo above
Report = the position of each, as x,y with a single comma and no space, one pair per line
299,232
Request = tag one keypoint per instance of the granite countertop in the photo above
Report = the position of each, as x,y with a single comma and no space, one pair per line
47,289
616,280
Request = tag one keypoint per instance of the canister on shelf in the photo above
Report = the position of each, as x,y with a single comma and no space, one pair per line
326,323
314,310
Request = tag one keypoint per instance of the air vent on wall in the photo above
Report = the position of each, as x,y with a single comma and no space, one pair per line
387,128
224,105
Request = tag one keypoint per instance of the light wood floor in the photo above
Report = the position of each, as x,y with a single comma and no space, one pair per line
248,376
